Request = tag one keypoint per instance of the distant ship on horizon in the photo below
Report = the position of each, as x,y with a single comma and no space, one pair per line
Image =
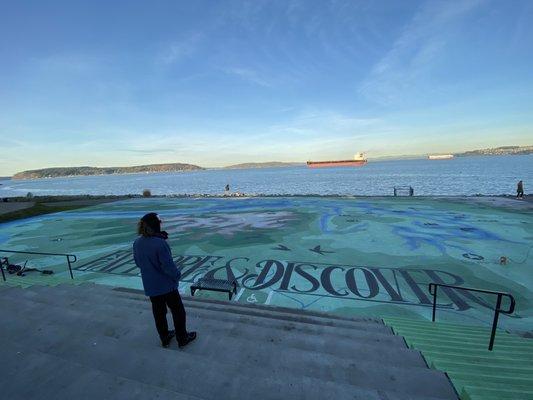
358,160
440,157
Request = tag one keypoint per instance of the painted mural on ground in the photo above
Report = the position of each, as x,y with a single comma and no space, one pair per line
359,256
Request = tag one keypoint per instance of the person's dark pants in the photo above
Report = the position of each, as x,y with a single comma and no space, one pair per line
171,300
520,193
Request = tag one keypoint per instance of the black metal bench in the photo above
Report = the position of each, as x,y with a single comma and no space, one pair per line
407,190
216,285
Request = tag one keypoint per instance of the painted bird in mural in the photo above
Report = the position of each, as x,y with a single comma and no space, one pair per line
318,250
281,247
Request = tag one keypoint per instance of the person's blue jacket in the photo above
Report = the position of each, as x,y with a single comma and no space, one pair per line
154,258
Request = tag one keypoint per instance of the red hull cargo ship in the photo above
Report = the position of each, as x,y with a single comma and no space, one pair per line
358,161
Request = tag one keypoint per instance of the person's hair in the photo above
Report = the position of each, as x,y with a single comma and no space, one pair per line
149,225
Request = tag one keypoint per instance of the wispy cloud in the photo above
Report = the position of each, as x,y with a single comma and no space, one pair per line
179,50
416,51
325,123
249,75
149,151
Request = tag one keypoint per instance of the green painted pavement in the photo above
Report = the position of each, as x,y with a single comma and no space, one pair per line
481,392
362,256
461,351
506,342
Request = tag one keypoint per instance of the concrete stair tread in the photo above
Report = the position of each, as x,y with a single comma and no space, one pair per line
267,374
510,370
223,319
491,380
467,349
269,308
222,343
144,363
502,339
435,330
141,329
483,393
400,322
256,311
268,350
69,379
472,344
285,324
480,358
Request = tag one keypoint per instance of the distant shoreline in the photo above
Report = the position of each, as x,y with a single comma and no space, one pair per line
243,166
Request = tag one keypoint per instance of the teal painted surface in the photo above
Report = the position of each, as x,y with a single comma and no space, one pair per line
364,256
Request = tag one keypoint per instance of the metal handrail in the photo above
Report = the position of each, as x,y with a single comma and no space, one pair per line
71,258
497,309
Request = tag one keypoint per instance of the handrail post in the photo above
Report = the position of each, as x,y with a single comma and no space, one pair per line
70,267
434,301
495,322
2,260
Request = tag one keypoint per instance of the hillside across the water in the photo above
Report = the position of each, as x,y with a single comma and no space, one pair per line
81,171
499,151
271,164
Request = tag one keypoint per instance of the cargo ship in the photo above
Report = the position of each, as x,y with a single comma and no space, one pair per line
358,160
440,157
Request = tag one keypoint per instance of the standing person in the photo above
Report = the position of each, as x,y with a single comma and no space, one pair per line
227,189
160,278
520,190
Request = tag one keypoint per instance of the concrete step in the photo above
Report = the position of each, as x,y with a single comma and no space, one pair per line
504,340
491,380
255,306
504,370
480,358
222,319
216,345
138,325
191,374
424,323
466,349
483,393
366,325
48,296
105,295
30,374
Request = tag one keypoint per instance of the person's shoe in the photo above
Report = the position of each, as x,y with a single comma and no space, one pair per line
188,339
165,342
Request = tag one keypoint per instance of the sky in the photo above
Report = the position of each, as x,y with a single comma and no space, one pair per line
215,83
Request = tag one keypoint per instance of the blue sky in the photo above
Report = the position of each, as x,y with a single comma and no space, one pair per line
219,82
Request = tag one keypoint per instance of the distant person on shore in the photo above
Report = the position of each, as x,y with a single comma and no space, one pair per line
160,278
226,190
520,190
